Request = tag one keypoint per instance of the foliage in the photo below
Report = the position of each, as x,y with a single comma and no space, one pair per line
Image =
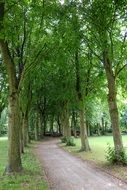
63,139
3,122
43,38
70,141
114,158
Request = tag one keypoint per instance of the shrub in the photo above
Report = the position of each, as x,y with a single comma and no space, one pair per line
70,141
63,139
113,158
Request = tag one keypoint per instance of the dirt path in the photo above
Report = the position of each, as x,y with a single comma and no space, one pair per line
66,172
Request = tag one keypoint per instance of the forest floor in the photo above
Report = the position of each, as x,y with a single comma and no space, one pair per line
67,172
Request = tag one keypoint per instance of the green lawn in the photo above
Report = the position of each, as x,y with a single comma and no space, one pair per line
97,155
32,178
98,148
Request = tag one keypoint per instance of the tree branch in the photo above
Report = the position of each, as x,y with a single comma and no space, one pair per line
118,72
29,67
121,53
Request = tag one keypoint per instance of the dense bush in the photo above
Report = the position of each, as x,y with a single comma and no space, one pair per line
70,141
63,139
113,158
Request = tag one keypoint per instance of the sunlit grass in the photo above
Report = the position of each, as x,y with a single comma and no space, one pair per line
97,155
32,178
98,146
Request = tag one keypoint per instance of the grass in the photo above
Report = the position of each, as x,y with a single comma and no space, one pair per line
97,155
32,178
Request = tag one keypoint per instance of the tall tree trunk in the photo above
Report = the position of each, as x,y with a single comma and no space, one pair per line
51,124
65,120
21,143
83,130
103,126
14,158
41,125
112,103
98,129
21,138
59,124
25,130
45,123
88,128
73,123
36,130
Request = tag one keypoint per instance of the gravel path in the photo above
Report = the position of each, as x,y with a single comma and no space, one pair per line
66,172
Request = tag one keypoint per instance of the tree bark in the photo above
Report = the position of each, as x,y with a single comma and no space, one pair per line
65,120
83,129
25,131
74,123
103,126
88,129
59,125
14,158
98,129
45,123
83,132
21,138
36,130
112,103
52,125
41,125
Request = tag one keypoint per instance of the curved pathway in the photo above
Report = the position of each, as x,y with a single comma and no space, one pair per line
66,172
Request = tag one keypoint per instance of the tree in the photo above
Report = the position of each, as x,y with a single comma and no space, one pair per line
105,26
14,162
18,18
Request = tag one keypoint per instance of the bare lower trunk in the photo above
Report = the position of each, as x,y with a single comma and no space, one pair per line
21,143
103,127
51,125
36,130
41,125
88,129
59,125
65,121
98,129
45,123
25,131
14,159
115,123
21,138
83,132
74,123
112,103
